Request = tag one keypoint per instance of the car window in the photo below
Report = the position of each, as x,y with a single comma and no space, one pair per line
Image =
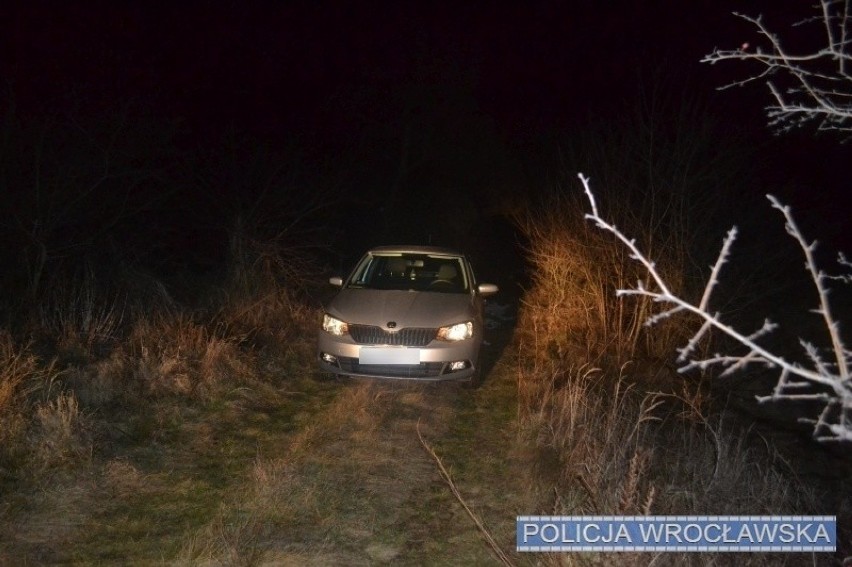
417,272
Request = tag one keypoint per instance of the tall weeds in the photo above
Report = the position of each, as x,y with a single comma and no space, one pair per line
17,366
113,337
612,428
593,432
666,174
41,424
602,445
571,305
81,314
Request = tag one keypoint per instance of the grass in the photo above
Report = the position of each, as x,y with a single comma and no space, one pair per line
168,476
192,445
602,445
575,272
203,437
355,486
114,455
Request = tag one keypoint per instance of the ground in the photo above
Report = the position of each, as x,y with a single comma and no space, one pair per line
314,471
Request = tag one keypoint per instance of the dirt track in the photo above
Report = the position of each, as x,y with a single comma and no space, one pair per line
370,492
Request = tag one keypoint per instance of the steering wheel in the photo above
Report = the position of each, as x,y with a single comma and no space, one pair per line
441,283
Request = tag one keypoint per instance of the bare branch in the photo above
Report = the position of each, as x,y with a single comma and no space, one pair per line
829,383
810,87
818,278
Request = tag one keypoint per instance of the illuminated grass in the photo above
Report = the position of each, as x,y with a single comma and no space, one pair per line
355,485
171,470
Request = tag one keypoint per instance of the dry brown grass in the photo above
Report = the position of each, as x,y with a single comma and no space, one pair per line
122,478
575,272
179,355
591,434
612,428
102,382
244,527
354,486
60,433
16,366
603,446
601,443
38,421
87,424
663,174
300,504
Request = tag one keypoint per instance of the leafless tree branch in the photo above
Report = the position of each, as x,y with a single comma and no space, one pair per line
814,86
822,381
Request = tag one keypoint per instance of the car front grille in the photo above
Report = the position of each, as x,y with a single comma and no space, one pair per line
410,337
422,370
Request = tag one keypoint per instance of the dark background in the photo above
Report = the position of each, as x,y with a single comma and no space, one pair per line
355,123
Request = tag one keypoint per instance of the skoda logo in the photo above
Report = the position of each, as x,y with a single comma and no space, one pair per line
391,324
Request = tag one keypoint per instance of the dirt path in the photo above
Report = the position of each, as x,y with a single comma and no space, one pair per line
357,487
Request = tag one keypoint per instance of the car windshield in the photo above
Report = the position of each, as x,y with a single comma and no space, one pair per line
411,272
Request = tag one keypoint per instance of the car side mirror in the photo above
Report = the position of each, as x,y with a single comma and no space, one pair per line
336,281
486,289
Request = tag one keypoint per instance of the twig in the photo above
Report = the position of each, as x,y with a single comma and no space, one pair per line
501,555
812,86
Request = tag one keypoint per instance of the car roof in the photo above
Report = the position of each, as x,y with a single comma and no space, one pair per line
415,249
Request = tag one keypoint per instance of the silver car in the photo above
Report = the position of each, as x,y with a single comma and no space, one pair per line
410,312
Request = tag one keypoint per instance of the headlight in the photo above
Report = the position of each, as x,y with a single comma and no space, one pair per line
457,332
334,326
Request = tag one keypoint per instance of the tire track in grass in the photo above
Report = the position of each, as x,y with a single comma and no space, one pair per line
355,486
343,489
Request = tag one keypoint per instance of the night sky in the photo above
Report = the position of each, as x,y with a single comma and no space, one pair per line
469,96
279,69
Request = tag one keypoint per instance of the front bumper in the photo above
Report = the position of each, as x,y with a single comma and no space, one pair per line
341,355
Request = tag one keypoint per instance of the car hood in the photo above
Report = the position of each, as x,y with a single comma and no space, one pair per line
405,308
